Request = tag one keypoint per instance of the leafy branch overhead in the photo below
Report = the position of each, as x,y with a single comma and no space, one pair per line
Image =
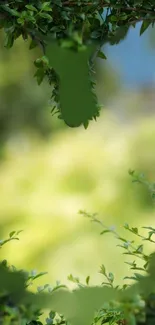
72,27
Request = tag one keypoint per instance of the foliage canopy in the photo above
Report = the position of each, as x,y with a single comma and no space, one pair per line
74,26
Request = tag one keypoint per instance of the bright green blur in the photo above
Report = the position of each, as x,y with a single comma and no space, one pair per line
47,177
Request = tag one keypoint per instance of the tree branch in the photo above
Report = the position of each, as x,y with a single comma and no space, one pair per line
103,4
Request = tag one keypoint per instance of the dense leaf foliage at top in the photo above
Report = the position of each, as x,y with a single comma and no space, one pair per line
74,25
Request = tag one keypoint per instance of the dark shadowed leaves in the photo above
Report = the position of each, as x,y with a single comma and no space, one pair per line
12,282
80,305
78,104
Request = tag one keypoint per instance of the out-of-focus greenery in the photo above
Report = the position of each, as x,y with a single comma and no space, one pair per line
24,105
43,185
44,181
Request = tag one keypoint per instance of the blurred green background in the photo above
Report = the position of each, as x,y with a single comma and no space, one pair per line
49,172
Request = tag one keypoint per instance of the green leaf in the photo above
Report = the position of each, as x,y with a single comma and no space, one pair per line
39,275
9,29
103,270
12,233
45,15
85,124
122,239
95,34
45,60
31,7
111,277
40,74
40,288
135,230
123,16
33,44
144,26
21,20
129,278
104,231
73,279
58,3
150,228
13,12
46,6
58,287
126,226
9,40
139,276
101,55
87,280
139,250
19,231
114,18
131,172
